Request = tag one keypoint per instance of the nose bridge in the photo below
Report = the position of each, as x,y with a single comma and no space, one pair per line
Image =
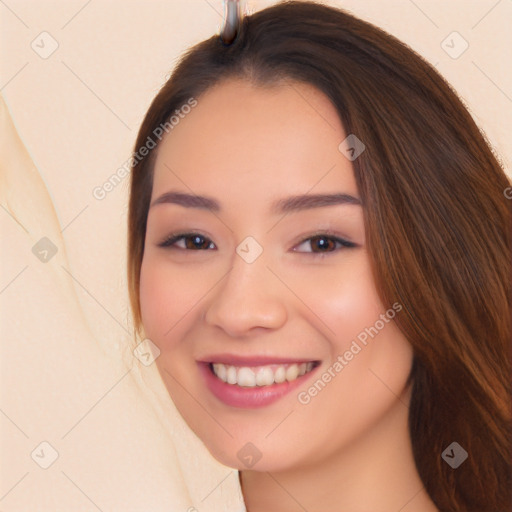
248,296
249,270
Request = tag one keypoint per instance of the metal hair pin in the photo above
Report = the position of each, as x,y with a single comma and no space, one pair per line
232,21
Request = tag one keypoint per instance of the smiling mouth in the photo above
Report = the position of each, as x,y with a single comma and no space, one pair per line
259,376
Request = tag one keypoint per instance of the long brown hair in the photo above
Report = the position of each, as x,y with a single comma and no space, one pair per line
437,222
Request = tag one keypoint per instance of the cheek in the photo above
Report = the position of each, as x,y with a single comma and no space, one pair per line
377,353
360,382
342,298
167,300
375,356
167,295
157,299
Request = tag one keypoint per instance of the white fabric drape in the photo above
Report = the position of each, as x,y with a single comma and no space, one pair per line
119,443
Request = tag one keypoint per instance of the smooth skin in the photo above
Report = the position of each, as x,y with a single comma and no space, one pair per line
247,146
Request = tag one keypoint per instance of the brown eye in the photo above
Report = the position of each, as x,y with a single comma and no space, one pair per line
324,243
196,242
192,241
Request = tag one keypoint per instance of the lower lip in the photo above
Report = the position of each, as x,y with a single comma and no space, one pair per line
245,397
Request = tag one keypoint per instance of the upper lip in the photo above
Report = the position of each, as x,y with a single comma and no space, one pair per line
257,360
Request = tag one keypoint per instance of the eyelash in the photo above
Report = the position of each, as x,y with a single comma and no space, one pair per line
175,237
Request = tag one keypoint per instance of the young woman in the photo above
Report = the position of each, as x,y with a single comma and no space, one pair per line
320,247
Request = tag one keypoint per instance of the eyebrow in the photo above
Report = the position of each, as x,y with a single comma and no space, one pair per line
285,205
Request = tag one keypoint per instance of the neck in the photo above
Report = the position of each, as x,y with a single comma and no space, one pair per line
376,473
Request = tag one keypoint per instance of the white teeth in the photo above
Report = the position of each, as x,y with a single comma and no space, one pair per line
292,372
246,377
265,376
221,372
280,375
231,375
260,375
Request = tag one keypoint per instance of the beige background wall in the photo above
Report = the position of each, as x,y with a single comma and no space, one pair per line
77,112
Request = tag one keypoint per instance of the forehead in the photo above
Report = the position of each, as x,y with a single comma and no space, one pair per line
251,142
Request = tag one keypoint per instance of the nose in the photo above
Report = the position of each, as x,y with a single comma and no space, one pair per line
248,298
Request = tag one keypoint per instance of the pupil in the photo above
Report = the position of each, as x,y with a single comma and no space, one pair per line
195,242
322,242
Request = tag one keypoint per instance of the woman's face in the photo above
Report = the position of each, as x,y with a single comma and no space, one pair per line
274,285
